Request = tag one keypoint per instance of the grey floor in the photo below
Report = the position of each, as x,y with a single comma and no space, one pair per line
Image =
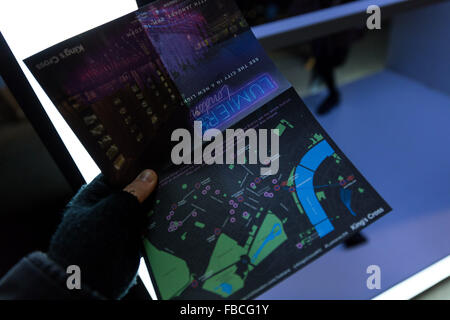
394,129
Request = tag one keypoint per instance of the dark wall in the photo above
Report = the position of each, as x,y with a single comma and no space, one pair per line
33,191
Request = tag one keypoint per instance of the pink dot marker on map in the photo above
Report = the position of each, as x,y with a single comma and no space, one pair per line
217,192
194,214
208,188
235,205
231,211
233,220
204,192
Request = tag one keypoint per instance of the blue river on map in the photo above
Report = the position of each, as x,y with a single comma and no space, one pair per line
304,176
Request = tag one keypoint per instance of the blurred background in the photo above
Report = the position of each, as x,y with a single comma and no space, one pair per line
383,95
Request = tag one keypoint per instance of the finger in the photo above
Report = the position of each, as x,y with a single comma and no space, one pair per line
143,185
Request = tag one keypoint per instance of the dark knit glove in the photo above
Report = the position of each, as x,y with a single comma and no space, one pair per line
101,233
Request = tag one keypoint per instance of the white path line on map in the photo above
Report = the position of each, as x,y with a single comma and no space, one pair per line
260,192
238,193
304,182
225,222
284,207
207,180
214,198
197,207
187,217
189,194
243,180
248,170
250,190
249,205
254,200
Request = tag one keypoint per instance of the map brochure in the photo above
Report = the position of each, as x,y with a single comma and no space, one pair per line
220,230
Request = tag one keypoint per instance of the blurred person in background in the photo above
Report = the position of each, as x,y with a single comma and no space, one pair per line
326,53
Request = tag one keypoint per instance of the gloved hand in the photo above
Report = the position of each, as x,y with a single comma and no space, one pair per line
101,233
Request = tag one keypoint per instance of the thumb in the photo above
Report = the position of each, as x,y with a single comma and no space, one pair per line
143,185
